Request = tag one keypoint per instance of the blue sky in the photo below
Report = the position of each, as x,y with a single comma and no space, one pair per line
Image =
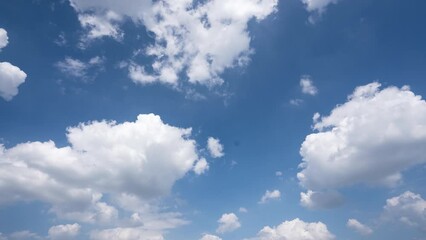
271,119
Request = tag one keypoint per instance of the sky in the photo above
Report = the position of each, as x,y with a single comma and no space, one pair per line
212,119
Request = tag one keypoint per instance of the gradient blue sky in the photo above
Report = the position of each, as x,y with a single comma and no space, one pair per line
259,113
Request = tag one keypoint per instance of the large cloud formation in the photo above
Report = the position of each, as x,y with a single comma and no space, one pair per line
10,76
370,139
197,38
132,163
296,230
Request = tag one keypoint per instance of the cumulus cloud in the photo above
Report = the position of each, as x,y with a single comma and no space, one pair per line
4,40
11,77
214,147
296,230
359,227
228,223
408,208
64,232
210,237
133,163
321,200
270,195
76,68
307,86
242,210
370,139
201,166
197,39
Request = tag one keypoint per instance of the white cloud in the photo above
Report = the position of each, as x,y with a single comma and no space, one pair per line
320,200
242,210
134,163
79,69
408,208
4,40
228,222
317,5
278,173
103,25
24,235
296,102
359,227
296,230
214,147
270,195
126,234
307,86
369,139
199,40
11,77
201,166
210,237
64,232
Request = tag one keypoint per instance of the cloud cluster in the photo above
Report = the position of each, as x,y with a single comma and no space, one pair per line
133,163
228,222
408,208
11,77
296,230
197,39
370,139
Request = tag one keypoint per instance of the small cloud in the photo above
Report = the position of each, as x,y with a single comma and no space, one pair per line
228,223
278,173
307,86
359,227
214,147
296,102
242,210
85,71
201,166
61,40
270,195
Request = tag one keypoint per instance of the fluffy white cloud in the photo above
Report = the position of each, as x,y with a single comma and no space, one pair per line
4,40
199,40
408,208
270,195
320,200
201,166
10,79
10,76
369,139
79,69
64,232
296,230
126,234
318,5
210,237
307,86
214,147
359,227
131,162
228,222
